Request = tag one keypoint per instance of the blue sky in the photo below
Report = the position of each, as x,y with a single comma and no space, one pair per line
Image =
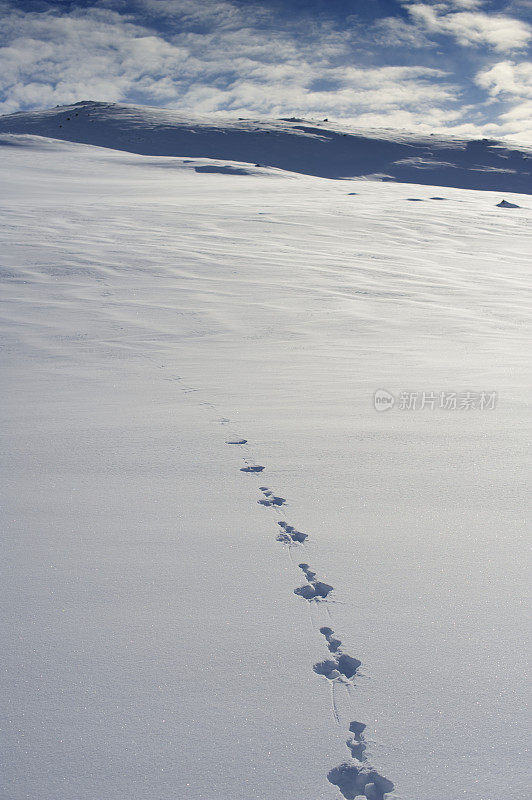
461,66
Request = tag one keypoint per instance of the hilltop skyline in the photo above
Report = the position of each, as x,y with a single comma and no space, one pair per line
458,66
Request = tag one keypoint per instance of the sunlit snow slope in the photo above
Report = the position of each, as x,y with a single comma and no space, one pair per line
180,624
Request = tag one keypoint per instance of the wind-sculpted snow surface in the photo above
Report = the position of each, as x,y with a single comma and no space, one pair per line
263,538
308,147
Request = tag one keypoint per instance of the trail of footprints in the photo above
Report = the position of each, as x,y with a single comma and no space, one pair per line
289,535
354,777
313,589
269,498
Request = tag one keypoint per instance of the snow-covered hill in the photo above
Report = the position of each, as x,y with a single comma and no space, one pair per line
320,149
226,571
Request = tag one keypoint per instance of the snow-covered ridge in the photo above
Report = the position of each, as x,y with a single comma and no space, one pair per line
309,147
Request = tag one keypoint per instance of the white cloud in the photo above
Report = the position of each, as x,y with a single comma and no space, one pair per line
468,5
397,32
517,122
511,83
473,28
507,78
233,65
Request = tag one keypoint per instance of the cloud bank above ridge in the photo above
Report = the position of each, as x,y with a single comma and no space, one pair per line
458,66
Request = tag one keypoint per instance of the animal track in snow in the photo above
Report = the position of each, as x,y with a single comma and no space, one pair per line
354,777
314,590
341,666
289,535
355,780
332,642
356,743
309,574
269,498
